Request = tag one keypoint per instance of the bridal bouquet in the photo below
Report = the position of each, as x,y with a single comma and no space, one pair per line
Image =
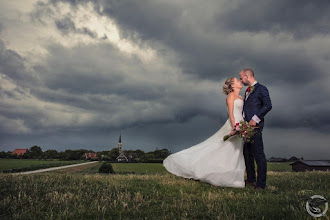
243,130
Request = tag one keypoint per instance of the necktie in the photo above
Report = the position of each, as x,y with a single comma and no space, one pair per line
247,93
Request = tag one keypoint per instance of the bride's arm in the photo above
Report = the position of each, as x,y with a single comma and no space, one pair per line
230,106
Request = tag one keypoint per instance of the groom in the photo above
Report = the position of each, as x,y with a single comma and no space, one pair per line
256,105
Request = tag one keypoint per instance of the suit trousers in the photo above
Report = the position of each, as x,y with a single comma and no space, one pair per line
255,152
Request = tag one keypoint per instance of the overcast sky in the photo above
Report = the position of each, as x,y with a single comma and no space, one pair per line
74,74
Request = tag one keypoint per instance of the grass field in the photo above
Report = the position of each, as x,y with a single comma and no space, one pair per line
159,196
280,167
138,168
21,163
157,168
152,193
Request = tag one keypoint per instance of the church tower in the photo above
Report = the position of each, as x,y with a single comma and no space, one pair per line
121,157
120,144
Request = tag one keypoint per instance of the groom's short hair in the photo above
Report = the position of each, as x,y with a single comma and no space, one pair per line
249,71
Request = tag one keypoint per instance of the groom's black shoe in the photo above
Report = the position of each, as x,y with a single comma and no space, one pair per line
249,183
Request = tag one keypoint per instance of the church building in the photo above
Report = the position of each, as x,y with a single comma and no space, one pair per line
121,157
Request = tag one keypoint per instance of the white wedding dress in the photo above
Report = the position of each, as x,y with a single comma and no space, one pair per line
213,160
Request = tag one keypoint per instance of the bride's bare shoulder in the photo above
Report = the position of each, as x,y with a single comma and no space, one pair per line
230,97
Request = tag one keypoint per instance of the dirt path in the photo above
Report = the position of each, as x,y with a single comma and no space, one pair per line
55,168
77,169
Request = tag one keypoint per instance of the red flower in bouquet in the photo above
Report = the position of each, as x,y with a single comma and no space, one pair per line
237,126
244,130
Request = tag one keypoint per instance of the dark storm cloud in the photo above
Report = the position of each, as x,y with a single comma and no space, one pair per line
40,9
165,22
97,75
86,92
66,25
204,38
200,35
12,64
115,89
303,18
212,57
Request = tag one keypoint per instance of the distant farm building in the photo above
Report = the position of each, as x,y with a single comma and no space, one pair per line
91,156
20,151
311,165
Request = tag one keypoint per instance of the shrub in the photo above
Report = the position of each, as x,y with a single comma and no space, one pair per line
106,168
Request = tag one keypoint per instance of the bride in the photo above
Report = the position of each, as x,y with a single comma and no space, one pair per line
213,160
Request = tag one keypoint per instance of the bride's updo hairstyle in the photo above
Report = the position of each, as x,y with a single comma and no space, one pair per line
227,88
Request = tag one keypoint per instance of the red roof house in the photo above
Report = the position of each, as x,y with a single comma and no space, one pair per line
91,156
20,151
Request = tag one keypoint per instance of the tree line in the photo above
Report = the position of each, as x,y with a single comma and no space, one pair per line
36,152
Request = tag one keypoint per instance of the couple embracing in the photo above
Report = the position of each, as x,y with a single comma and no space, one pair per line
223,163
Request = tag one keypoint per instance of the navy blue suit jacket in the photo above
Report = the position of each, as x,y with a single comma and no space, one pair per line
258,103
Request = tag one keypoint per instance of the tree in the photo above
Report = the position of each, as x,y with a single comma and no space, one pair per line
293,158
139,153
35,152
105,157
161,154
51,154
113,154
147,157
3,154
72,154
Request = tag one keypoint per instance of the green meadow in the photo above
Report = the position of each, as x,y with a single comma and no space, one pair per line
152,193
